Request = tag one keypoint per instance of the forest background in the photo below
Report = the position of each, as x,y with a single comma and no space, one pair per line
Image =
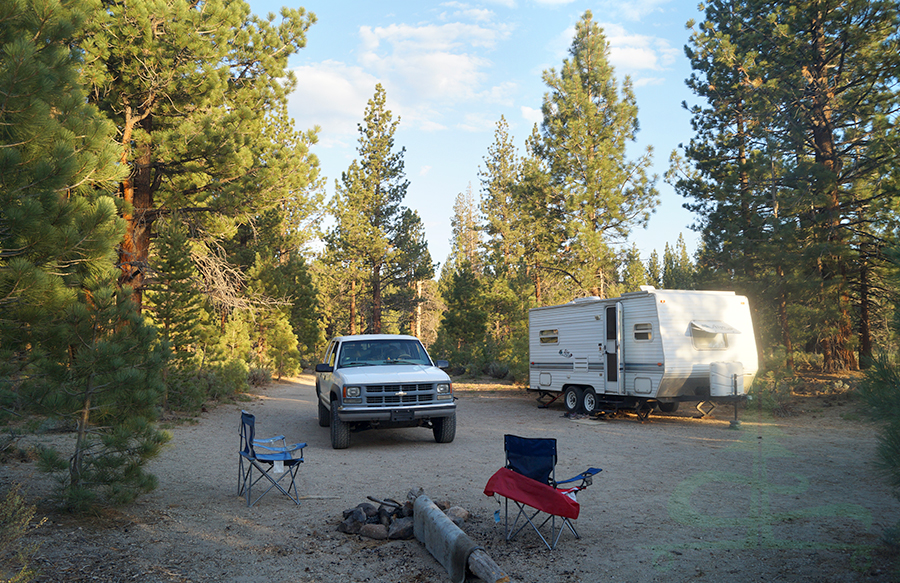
163,232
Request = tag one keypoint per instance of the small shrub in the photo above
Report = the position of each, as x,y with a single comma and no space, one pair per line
259,377
773,394
15,522
231,378
496,370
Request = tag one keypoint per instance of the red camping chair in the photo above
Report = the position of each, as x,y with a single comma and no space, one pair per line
529,480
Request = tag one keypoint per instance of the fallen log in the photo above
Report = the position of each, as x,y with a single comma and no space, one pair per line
451,546
484,567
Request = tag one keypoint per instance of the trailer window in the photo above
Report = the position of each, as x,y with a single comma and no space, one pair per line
704,340
711,334
549,336
643,332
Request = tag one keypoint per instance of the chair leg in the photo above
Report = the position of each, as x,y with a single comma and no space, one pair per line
274,483
555,532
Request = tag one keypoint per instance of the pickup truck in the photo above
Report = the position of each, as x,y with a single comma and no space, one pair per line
383,380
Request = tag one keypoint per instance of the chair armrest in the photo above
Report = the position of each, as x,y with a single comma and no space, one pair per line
586,477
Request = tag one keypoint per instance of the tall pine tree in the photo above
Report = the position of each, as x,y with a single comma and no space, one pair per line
588,122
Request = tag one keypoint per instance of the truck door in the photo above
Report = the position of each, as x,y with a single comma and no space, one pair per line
614,365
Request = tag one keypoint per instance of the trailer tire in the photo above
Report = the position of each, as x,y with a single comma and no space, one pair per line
670,407
572,399
589,401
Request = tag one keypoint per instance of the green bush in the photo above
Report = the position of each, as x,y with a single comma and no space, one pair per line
259,377
773,393
15,521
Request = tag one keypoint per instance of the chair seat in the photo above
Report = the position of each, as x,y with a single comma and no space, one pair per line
543,497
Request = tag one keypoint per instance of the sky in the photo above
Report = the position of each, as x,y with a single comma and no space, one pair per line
452,69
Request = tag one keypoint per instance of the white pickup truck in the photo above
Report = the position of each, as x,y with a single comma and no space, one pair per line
383,380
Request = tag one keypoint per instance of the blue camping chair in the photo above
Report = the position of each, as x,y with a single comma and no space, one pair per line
529,480
274,463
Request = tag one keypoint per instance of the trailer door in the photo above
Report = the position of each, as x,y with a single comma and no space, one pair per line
614,365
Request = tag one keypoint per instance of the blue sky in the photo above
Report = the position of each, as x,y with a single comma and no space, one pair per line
451,69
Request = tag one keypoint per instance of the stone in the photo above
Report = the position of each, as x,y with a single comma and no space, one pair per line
369,509
458,515
353,522
401,528
374,531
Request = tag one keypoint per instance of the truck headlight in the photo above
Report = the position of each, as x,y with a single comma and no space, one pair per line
352,395
444,391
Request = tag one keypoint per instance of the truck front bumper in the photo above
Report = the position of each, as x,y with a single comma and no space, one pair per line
350,414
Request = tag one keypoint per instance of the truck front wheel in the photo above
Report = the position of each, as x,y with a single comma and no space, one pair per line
324,415
340,431
444,428
572,399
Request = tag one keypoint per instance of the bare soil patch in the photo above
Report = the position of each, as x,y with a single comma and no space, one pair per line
680,499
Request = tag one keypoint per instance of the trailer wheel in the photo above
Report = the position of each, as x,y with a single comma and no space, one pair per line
668,407
589,401
572,399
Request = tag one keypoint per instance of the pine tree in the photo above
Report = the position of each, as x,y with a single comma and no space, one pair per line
464,323
198,93
654,270
174,297
103,370
57,159
634,275
791,157
588,122
465,227
504,225
370,218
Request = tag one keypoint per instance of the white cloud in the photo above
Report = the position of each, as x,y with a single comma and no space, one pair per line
633,9
478,122
532,115
424,170
332,95
463,10
633,53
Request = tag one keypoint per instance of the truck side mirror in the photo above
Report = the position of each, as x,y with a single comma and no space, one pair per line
442,364
324,367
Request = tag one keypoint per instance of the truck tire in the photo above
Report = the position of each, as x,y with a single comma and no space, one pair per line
340,431
572,399
324,415
444,428
589,401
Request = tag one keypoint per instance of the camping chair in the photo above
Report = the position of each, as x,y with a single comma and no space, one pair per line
274,463
529,480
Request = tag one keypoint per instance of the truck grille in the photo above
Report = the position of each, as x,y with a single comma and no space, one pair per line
381,395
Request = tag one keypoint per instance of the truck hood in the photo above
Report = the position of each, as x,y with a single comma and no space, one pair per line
393,374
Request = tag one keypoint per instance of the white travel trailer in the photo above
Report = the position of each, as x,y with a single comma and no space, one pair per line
644,349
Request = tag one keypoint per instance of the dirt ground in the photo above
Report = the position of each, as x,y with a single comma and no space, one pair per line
679,499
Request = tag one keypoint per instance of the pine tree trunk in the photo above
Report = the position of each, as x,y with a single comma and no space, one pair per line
376,298
137,190
353,308
783,320
865,330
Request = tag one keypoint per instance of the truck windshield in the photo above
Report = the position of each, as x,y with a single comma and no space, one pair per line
382,352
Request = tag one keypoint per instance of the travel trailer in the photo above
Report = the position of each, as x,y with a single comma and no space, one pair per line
646,349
